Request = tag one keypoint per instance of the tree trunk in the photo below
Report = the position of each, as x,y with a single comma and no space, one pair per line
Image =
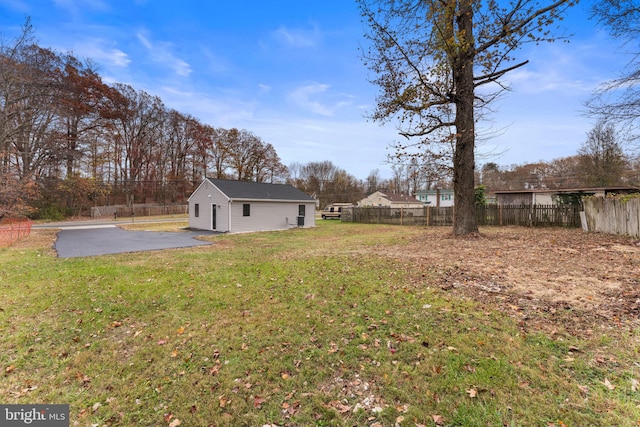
464,217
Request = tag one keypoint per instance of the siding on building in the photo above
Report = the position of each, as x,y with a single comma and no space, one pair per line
271,206
441,198
395,200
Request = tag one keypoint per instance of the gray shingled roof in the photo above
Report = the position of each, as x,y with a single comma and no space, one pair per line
259,191
400,197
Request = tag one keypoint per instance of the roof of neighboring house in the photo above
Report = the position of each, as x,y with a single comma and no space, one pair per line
571,190
399,197
259,190
441,191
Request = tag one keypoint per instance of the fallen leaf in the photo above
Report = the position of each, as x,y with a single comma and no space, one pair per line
608,384
402,408
340,407
472,392
9,369
583,388
174,353
438,419
258,401
180,330
223,401
161,342
175,423
634,384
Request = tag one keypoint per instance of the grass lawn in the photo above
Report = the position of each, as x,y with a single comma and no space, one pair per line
302,327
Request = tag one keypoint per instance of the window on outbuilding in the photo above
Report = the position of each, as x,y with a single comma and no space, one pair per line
246,209
301,209
196,210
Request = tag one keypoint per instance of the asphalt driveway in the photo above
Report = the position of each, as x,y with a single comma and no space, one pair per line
110,239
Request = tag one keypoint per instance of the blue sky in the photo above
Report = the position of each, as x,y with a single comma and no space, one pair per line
290,72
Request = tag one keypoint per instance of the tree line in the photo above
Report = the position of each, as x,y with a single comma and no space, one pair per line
601,161
68,140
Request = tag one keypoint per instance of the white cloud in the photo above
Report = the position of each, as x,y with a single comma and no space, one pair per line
263,89
307,97
97,50
161,52
297,37
76,7
19,5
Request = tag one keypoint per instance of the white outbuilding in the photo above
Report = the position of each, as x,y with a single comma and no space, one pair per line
242,206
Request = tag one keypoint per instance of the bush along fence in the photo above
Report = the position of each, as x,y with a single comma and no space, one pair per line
613,215
10,233
526,215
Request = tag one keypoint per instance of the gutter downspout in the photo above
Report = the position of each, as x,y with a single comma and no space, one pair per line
229,216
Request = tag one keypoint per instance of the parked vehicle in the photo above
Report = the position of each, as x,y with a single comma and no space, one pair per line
335,210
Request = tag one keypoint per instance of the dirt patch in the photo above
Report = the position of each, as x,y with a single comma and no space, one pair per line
549,278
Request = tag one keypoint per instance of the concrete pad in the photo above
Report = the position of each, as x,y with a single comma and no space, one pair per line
83,241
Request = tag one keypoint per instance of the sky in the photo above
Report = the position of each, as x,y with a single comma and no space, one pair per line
291,72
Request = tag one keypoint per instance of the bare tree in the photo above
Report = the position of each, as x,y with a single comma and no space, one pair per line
619,99
327,182
432,57
135,122
602,159
80,97
66,138
373,181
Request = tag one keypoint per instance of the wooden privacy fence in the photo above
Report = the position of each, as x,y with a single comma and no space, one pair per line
122,211
530,215
527,215
14,231
613,215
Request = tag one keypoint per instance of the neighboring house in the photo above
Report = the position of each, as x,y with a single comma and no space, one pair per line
440,198
241,206
558,196
393,200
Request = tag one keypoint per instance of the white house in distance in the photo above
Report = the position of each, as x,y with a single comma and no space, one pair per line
441,198
241,206
393,200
